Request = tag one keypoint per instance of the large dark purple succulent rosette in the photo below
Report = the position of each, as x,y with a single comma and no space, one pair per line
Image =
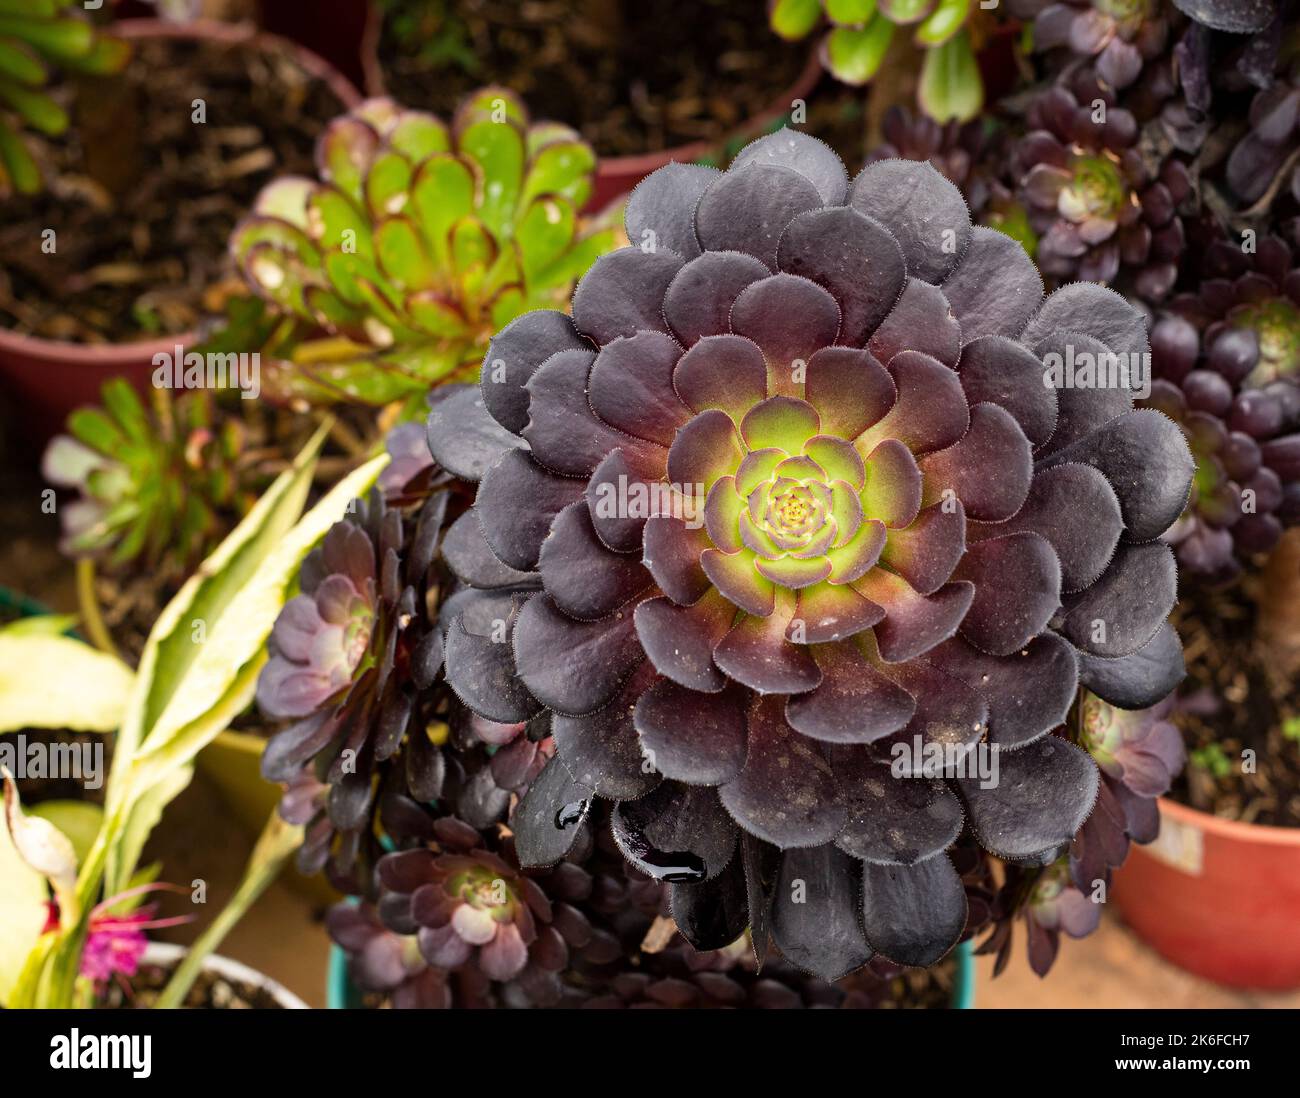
904,533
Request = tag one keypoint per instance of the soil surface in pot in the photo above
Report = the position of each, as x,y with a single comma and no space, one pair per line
142,198
632,75
211,991
1233,700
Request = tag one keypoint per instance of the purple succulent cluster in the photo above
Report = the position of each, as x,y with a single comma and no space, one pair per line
1226,361
786,506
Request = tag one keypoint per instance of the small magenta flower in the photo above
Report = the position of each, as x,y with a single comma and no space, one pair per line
116,940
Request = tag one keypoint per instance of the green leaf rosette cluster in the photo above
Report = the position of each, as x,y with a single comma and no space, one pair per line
419,240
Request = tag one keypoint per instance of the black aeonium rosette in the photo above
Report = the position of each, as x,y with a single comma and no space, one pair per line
354,679
797,494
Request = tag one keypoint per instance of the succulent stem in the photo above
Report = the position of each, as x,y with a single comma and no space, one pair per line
88,602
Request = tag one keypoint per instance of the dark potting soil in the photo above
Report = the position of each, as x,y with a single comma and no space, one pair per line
633,76
142,199
1231,701
211,991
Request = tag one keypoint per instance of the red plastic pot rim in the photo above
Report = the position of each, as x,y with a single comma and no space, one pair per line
1232,830
59,351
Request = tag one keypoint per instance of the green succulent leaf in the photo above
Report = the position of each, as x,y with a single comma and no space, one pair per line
951,87
793,19
854,55
850,13
947,19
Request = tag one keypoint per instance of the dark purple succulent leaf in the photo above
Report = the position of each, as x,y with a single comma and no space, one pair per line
586,580
726,372
831,612
481,670
1043,794
914,623
679,640
714,913
1124,609
1028,693
426,769
762,864
894,485
516,503
790,318
921,321
692,737
849,389
746,210
816,916
1074,507
661,209
994,440
948,712
913,914
678,833
616,479
514,353
1233,16
287,750
1017,581
395,715
623,294
699,298
813,159
350,798
995,369
707,448
854,257
1139,680
853,704
756,653
550,817
570,666
466,551
631,387
1081,411
602,750
924,211
786,792
1089,310
931,412
892,820
565,435
463,438
671,553
995,288
926,552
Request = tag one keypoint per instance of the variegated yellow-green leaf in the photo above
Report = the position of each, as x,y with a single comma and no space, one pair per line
52,681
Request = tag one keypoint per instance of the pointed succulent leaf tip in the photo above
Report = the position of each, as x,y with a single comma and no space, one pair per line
772,553
418,242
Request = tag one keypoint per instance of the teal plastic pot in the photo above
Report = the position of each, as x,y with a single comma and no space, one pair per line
340,994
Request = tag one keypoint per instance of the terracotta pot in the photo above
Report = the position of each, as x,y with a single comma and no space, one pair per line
1218,898
617,175
45,379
